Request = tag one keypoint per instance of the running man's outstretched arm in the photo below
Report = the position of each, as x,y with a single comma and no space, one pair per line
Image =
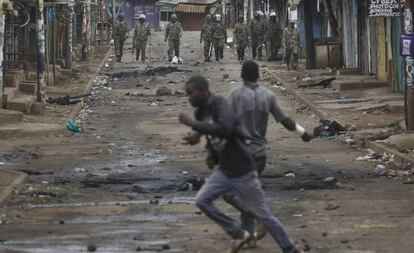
288,123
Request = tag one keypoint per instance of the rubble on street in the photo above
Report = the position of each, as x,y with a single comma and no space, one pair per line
107,142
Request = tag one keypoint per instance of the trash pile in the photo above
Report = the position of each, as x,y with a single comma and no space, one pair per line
328,128
279,86
386,165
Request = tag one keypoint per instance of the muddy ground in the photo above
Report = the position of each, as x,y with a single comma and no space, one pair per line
126,184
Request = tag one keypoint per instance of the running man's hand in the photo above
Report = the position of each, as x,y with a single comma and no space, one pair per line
192,138
307,137
186,120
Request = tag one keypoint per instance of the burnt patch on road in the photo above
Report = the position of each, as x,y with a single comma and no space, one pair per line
148,71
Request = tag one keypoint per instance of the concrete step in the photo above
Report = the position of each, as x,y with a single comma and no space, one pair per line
396,106
28,88
11,92
342,85
10,117
26,129
13,78
341,72
21,104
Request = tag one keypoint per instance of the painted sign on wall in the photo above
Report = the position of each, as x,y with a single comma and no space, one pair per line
384,8
133,8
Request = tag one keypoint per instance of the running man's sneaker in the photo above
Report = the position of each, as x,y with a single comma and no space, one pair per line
261,231
251,244
237,244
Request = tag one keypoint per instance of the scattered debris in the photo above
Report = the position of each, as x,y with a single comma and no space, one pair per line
185,172
323,83
80,170
330,180
179,92
350,141
279,86
290,174
101,80
226,76
72,126
192,184
328,128
380,169
177,60
154,201
302,108
92,248
331,206
134,94
67,99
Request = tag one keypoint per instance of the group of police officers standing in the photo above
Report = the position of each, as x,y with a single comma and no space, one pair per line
261,33
258,34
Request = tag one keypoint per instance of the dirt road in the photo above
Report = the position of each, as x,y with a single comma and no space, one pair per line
127,184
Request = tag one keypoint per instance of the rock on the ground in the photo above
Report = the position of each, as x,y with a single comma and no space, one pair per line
164,91
401,142
92,248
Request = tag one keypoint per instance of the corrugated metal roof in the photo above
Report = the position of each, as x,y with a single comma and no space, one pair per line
190,8
194,2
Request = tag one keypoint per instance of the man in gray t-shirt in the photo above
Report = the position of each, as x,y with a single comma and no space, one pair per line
252,105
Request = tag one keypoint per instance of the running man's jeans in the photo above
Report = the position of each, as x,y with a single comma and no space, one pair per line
249,196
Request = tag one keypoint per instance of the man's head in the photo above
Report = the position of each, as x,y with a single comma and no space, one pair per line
241,18
142,18
209,18
250,71
197,91
174,18
292,23
272,16
121,16
258,15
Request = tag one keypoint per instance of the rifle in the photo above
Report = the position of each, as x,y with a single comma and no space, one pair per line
67,99
133,49
211,48
149,49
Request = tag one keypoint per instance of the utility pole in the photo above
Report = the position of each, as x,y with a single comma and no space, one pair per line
2,19
40,28
245,6
409,68
310,48
86,28
70,36
101,21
